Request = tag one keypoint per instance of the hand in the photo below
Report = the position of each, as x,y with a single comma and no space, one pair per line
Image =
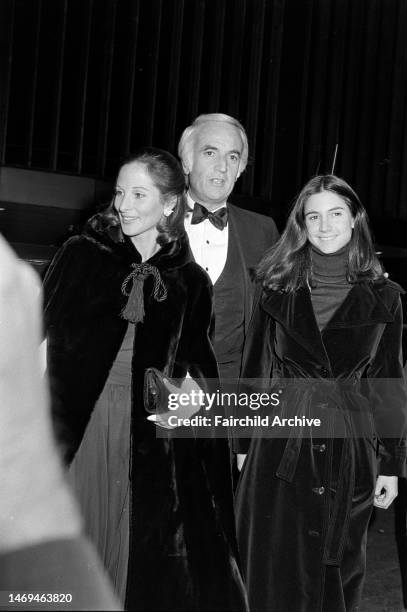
386,491
240,459
35,504
188,388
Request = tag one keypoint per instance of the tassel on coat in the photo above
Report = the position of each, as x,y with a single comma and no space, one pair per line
134,309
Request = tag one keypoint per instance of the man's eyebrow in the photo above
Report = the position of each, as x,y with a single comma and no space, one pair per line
214,148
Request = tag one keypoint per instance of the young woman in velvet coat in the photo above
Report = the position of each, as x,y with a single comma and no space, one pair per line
124,296
327,328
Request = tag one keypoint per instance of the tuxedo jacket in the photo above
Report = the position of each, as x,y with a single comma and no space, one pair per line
254,234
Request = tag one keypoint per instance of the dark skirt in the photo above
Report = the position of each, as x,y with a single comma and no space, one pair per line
100,471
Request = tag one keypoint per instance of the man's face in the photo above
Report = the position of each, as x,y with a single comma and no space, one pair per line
214,163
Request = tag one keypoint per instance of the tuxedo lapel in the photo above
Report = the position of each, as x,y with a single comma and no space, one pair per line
191,255
235,234
244,234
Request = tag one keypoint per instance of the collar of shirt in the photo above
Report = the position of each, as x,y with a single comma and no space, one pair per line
209,246
191,204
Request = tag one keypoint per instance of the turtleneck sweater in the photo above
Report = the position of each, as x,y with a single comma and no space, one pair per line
330,285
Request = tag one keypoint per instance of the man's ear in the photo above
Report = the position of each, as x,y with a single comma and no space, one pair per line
239,172
186,162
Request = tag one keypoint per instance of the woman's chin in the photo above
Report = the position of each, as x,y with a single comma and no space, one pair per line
329,246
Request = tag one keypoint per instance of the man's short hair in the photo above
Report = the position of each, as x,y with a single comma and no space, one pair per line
189,132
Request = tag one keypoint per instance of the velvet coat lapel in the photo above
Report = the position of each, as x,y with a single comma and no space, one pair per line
182,540
361,307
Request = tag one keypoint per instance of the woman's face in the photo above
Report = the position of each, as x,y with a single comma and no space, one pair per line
138,201
328,221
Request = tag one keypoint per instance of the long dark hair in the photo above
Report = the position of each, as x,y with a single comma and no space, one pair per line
168,177
287,265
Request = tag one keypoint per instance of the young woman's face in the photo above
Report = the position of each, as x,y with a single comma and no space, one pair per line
138,201
328,221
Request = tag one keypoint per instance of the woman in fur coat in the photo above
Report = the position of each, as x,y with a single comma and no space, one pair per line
124,296
327,328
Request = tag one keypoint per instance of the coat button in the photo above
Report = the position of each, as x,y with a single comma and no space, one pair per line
313,534
324,373
319,490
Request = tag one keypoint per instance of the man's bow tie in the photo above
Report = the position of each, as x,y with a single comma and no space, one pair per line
219,218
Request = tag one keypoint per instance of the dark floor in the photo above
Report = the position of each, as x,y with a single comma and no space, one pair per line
382,592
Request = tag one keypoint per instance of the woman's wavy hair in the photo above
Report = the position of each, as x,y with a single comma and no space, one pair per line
167,175
286,266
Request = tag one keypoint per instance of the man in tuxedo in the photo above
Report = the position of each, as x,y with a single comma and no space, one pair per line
225,240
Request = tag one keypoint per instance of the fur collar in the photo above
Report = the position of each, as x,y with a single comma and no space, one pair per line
171,256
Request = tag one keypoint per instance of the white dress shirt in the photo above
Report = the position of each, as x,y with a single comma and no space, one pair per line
209,245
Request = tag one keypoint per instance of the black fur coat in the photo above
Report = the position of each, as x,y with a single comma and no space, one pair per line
182,537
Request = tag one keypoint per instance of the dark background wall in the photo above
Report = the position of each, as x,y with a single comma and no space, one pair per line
86,81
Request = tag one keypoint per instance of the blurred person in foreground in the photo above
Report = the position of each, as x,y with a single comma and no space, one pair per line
327,330
42,548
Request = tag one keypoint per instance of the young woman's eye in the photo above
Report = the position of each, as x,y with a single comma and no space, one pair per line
117,193
209,153
138,195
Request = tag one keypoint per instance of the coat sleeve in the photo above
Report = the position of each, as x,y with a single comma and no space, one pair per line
257,357
64,293
388,397
62,286
258,348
